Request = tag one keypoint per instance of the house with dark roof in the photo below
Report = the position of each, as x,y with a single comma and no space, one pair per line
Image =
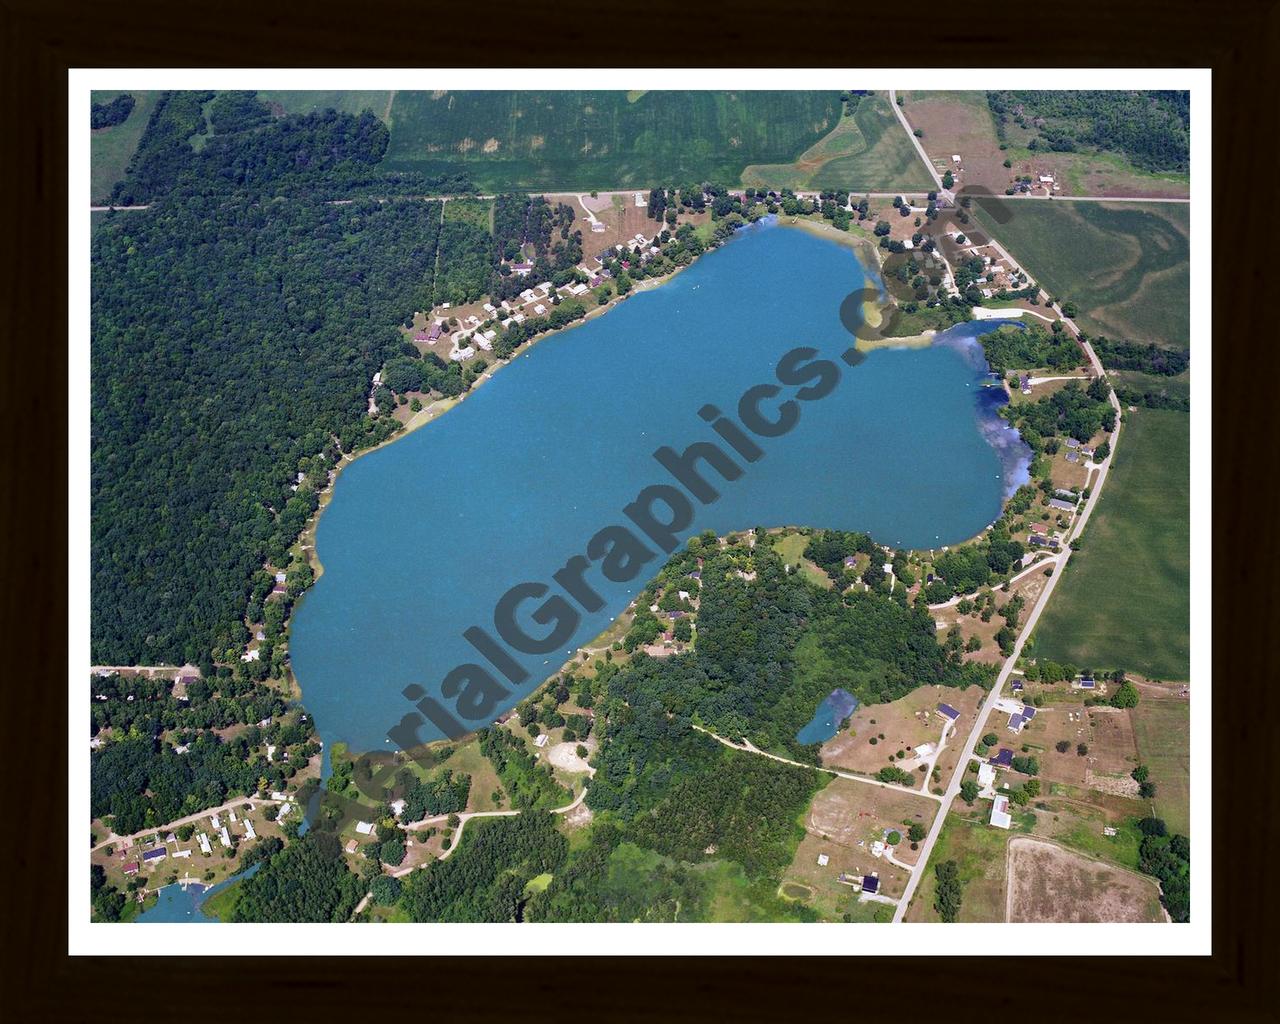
1017,686
1073,456
870,883
156,855
1016,722
131,868
947,712
1003,759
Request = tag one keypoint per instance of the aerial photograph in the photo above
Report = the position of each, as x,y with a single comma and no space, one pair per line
684,506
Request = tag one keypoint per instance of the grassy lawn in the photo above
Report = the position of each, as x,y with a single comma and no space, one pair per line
110,149
791,548
1125,599
1163,731
602,139
869,151
979,853
222,905
1127,267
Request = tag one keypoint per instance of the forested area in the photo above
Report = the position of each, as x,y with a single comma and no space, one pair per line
306,881
320,156
528,783
1149,358
139,776
230,342
1031,346
1151,128
1167,858
116,111
485,879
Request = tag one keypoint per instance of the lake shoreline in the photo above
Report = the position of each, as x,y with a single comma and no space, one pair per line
310,623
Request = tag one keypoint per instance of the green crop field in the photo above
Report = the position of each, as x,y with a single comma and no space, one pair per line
1125,599
300,101
868,152
110,149
583,140
1127,268
1162,729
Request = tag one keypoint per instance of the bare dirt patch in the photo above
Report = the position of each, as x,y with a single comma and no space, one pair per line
853,814
565,756
1048,883
491,145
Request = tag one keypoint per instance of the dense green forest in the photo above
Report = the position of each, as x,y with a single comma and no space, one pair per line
117,111
1030,346
1152,129
207,143
306,881
486,878
1149,358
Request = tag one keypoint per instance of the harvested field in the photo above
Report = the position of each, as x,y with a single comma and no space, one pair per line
1048,883
849,813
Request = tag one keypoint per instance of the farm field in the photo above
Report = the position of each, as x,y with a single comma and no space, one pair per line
110,149
1162,728
1048,883
306,101
868,151
1127,267
602,139
1125,598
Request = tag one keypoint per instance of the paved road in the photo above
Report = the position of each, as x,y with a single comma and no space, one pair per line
953,788
1100,199
933,172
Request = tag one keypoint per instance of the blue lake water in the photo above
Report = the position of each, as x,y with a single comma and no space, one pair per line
180,904
423,536
835,708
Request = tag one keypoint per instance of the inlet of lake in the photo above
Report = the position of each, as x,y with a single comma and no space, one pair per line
424,535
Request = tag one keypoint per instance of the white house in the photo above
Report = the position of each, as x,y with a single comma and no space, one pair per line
365,828
1000,812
